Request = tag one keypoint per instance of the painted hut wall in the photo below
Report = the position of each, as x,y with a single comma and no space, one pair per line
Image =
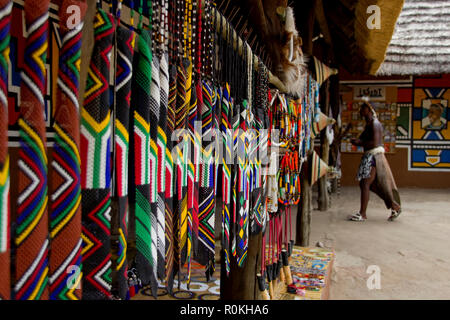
422,153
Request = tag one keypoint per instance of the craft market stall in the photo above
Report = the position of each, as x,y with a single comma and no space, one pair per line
161,149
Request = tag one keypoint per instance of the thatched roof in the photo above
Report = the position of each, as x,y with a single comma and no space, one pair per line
421,41
359,49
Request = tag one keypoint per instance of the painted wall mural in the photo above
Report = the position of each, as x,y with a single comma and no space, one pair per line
423,126
422,123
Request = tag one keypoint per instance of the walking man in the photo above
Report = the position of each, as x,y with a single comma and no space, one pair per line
374,173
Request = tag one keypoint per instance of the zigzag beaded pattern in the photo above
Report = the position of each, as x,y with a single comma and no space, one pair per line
65,215
256,221
206,195
32,219
226,174
236,176
242,207
96,162
125,40
183,154
179,222
192,204
169,192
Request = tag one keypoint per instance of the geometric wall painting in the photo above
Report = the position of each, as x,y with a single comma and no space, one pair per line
430,137
431,158
403,121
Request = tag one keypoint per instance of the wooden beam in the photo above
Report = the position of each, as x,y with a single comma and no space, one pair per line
238,45
323,24
305,19
349,4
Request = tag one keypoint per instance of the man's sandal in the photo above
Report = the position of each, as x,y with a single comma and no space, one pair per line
357,217
394,214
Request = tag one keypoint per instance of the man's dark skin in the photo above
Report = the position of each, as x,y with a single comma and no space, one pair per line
371,138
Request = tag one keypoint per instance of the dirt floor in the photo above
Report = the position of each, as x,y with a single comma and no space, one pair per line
412,253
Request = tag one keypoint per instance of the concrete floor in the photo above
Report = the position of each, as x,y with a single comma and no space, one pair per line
412,253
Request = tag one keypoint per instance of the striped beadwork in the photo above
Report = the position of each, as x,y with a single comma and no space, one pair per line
65,208
31,235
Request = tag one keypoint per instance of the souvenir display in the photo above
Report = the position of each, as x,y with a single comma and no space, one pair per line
177,128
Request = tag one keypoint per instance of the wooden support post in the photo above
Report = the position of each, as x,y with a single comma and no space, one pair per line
304,215
241,283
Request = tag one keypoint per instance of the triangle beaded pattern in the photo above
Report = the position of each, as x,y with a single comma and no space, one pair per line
96,163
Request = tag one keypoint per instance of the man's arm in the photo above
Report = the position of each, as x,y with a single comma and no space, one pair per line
356,142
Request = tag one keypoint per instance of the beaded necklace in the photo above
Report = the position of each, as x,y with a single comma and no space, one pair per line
207,40
179,41
141,17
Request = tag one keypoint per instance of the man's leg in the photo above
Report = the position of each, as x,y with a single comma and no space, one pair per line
394,205
364,185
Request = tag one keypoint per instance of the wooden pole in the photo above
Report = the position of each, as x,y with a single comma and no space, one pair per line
304,218
241,283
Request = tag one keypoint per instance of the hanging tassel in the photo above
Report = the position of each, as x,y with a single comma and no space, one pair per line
180,209
162,141
125,41
169,177
139,175
207,202
226,178
155,103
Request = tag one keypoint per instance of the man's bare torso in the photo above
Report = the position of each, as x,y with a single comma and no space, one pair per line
372,135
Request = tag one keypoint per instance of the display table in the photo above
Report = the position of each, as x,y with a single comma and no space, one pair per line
311,270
